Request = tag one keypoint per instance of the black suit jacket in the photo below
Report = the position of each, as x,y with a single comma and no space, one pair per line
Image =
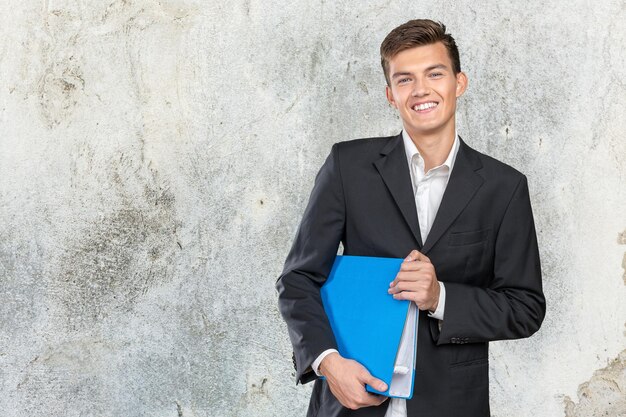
483,246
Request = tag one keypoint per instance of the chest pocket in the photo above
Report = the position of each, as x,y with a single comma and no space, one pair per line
468,238
471,247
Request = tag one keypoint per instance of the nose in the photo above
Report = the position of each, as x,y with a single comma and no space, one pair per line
420,88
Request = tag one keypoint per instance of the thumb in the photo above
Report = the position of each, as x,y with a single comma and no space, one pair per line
416,255
413,256
373,382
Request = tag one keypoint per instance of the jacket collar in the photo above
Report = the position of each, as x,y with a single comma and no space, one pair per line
464,182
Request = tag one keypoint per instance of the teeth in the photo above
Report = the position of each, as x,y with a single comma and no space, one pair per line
424,106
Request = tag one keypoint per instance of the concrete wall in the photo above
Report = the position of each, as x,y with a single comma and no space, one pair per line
156,157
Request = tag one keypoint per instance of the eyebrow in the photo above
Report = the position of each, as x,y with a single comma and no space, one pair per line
438,66
432,67
400,74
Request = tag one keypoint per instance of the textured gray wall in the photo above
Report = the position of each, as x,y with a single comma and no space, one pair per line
156,157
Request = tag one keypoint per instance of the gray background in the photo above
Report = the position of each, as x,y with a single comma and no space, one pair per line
156,157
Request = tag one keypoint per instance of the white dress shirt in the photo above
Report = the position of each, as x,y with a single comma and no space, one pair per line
428,189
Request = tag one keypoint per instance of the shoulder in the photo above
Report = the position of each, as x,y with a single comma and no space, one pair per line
362,148
492,169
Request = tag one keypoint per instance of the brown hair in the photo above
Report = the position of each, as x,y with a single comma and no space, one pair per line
414,33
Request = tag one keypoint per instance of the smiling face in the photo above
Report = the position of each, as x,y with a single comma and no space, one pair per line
424,89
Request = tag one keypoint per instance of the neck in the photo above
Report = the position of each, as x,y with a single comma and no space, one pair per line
434,148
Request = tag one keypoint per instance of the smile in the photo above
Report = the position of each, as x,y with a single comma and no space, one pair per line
425,106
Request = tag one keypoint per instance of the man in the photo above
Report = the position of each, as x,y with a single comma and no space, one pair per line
462,221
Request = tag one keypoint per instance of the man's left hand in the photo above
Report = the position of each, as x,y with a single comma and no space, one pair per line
417,281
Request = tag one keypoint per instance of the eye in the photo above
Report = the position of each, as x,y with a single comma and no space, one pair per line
436,74
404,80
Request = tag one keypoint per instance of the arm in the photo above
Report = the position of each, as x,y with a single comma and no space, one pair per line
513,305
307,266
299,301
316,363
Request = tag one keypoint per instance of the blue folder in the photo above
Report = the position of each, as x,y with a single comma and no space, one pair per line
368,322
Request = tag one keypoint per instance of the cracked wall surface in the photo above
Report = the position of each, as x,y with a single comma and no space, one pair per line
156,157
603,394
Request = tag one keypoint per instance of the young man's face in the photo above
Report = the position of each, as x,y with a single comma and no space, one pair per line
424,89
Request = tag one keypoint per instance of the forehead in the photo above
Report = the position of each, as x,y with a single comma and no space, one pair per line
420,58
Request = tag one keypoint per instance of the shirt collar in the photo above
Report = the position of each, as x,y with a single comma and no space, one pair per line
410,150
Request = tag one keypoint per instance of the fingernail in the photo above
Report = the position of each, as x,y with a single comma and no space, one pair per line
382,387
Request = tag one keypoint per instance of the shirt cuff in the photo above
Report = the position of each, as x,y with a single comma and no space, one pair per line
316,363
438,314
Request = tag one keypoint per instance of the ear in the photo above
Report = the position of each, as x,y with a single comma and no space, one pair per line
461,84
390,98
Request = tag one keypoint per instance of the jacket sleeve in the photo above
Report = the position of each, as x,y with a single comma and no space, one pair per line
307,267
513,305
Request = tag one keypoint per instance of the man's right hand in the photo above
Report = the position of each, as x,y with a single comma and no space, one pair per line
347,378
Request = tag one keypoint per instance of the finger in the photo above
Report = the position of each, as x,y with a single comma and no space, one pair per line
405,286
403,295
373,382
415,295
414,265
408,274
398,290
422,276
422,270
395,289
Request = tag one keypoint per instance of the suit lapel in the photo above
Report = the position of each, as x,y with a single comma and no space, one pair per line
462,185
394,170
